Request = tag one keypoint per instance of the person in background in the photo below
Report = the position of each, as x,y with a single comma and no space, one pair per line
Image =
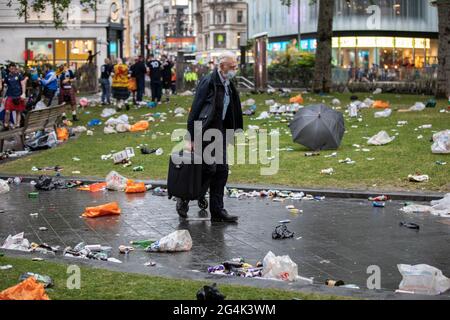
67,91
139,70
174,81
105,81
49,84
15,84
155,66
167,66
120,80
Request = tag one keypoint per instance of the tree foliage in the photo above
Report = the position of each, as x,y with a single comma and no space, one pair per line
59,7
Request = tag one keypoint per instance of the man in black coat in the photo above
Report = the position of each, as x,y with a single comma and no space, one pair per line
216,106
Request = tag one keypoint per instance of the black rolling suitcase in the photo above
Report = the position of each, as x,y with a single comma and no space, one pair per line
185,176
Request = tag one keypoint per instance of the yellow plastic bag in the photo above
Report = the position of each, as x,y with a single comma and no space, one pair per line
28,289
103,210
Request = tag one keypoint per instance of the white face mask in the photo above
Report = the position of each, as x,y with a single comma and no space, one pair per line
230,74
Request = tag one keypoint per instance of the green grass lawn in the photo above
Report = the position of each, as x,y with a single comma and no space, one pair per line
389,171
100,284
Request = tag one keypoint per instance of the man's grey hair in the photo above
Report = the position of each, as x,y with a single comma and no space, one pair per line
227,55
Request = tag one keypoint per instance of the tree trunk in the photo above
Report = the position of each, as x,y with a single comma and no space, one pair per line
322,74
443,80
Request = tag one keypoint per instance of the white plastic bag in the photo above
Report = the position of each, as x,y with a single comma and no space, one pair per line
423,279
17,242
40,106
177,241
123,127
418,106
180,111
279,267
264,115
368,102
441,143
109,130
381,138
353,110
270,103
4,187
383,114
108,112
336,102
116,182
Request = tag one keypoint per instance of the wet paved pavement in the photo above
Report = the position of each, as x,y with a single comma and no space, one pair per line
340,238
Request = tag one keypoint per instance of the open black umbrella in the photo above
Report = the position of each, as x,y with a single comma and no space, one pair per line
318,127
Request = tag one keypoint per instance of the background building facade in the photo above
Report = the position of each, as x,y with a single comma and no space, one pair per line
35,40
391,34
168,26
219,24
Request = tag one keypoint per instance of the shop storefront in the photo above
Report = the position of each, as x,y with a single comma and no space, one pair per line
384,52
363,52
74,52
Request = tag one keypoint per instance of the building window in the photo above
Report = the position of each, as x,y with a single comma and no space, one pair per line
224,16
220,40
40,51
240,16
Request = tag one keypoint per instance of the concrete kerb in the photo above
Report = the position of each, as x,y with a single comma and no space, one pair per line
330,193
174,273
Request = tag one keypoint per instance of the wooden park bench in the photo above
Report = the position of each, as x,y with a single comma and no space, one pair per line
36,120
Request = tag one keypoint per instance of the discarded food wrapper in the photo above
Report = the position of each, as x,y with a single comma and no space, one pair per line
418,178
121,156
328,171
6,267
45,280
16,242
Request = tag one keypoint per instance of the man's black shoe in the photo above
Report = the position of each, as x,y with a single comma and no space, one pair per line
223,216
182,208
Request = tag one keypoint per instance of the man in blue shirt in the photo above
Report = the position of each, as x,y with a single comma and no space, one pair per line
50,84
15,84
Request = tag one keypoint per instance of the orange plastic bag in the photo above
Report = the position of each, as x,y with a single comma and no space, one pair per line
62,134
28,289
134,187
103,210
381,104
93,187
297,99
139,126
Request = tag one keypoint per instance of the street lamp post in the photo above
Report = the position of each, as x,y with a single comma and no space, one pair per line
299,26
142,28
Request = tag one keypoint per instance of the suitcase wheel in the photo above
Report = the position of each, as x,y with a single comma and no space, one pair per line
203,203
